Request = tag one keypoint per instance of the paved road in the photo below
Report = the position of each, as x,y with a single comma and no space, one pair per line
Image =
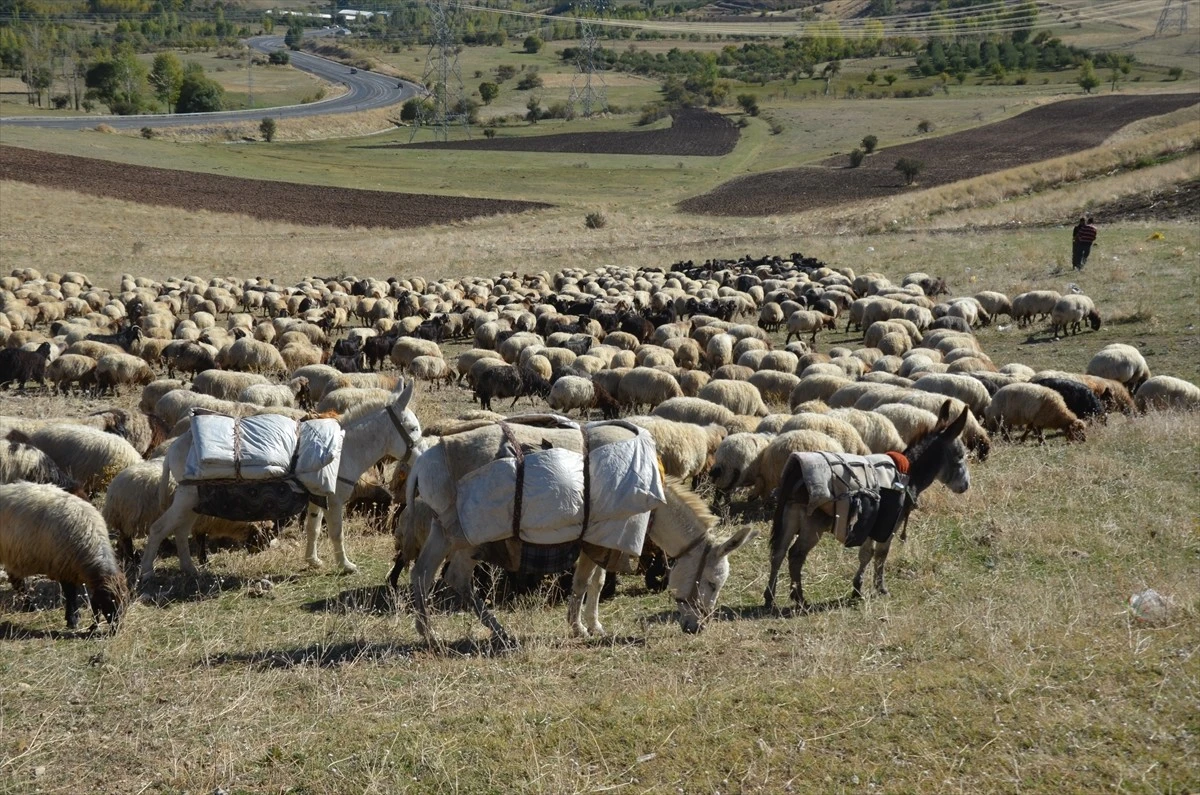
367,91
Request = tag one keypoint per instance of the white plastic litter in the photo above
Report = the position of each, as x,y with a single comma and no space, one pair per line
1149,607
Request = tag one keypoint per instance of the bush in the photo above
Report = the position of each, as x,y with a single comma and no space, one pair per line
267,127
410,110
924,126
488,91
530,81
61,101
533,44
489,132
748,103
279,58
909,168
147,133
1175,72
652,113
595,221
776,128
505,72
856,158
869,142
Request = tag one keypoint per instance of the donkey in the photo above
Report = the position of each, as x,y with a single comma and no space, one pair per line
940,455
388,430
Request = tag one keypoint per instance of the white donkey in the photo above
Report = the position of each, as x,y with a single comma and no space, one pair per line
390,430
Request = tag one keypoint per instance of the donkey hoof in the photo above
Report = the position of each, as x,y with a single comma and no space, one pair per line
315,562
504,643
349,568
883,591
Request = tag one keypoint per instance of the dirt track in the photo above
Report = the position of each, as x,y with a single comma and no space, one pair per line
693,131
1040,134
311,205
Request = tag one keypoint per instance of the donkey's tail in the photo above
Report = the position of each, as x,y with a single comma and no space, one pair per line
788,482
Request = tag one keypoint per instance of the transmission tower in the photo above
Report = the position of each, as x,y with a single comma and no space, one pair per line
1174,18
442,78
587,87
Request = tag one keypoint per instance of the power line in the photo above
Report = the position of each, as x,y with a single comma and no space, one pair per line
442,78
1174,15
587,87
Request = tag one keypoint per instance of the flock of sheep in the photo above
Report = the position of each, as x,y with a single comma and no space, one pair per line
697,347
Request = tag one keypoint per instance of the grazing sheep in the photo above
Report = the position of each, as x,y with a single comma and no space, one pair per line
692,381
1121,363
1079,397
807,321
732,372
153,392
974,436
141,430
775,386
251,355
44,530
772,423
876,431
685,450
840,431
1034,304
962,387
290,395
911,422
71,368
1036,408
694,410
816,387
188,356
342,400
496,379
994,303
20,460
320,379
408,348
646,386
572,392
777,452
740,397
90,455
226,384
433,369
1163,392
735,462
1070,311
719,350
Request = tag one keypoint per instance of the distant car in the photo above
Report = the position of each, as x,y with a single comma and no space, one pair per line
353,71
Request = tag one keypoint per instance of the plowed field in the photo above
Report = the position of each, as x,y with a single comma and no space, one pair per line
1040,134
313,205
693,131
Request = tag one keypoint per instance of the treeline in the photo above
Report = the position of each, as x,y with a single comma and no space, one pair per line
1042,53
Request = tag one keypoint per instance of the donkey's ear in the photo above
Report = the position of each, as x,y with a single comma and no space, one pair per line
956,427
943,415
405,388
740,538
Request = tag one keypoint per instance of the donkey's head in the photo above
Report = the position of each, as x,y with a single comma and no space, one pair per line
947,447
408,428
699,574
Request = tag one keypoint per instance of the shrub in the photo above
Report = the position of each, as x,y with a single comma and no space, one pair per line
147,133
529,81
856,158
61,101
279,58
533,44
595,221
267,127
652,113
924,126
869,142
488,91
489,132
776,128
410,110
748,103
504,72
1175,72
910,168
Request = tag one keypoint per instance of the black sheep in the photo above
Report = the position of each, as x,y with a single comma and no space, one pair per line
1080,399
18,366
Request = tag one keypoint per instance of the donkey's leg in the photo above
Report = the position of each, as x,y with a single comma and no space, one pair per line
864,557
183,532
462,579
781,539
807,538
433,552
181,509
333,519
312,526
881,553
591,602
584,567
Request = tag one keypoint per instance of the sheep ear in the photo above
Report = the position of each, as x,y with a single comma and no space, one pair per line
406,390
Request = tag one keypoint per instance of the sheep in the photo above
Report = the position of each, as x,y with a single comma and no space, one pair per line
685,450
772,423
774,386
46,531
188,357
153,391
740,397
250,355
1164,392
806,321
816,387
1026,307
876,431
226,384
1078,396
840,431
776,453
648,386
994,303
1036,408
342,400
965,388
290,395
1121,363
71,368
1070,311
692,381
910,422
694,410
736,460
974,436
135,499
433,369
719,350
572,392
20,460
319,376
496,379
732,372
88,454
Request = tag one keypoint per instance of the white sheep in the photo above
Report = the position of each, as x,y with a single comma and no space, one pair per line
87,454
1070,311
684,449
44,530
694,410
288,395
121,369
646,386
995,303
974,436
807,321
876,431
572,392
719,350
1122,363
71,368
692,381
433,369
226,384
1035,408
740,397
153,391
816,387
839,430
1164,392
22,461
775,455
736,460
910,422
969,390
250,355
1029,306
342,400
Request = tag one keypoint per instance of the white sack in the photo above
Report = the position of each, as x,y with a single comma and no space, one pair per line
266,443
320,455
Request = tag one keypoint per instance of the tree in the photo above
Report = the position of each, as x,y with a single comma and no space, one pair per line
294,36
267,127
488,91
1087,77
890,78
410,110
748,103
166,77
534,106
533,44
869,142
119,83
199,94
856,158
910,168
872,76
831,70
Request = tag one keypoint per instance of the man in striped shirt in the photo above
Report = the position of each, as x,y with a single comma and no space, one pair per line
1083,237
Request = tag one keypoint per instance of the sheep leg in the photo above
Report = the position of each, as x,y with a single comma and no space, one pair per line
23,602
71,601
312,526
333,519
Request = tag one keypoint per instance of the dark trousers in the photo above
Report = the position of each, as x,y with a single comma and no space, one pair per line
1079,254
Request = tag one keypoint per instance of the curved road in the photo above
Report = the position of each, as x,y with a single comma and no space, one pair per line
367,91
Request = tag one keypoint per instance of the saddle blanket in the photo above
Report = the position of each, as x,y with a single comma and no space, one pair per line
266,446
834,479
625,483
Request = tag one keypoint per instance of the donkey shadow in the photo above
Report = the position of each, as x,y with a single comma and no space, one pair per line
333,655
375,600
754,612
163,590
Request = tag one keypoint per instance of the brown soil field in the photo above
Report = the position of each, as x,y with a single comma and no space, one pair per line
693,131
272,201
1040,134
